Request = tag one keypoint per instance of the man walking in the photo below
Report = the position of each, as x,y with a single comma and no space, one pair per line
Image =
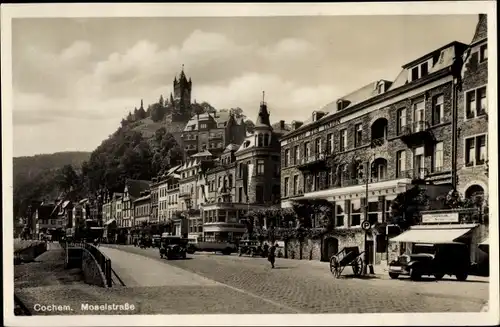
271,255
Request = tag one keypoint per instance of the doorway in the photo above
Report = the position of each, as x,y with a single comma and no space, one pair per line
330,248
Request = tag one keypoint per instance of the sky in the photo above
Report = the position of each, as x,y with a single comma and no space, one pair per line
74,79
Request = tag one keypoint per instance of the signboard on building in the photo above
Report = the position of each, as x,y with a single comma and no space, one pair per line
435,218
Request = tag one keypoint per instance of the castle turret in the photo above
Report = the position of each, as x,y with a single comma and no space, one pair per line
263,116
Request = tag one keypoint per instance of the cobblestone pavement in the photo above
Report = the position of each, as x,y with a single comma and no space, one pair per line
308,287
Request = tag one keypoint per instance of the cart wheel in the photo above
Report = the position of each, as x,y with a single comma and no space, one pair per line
357,267
334,266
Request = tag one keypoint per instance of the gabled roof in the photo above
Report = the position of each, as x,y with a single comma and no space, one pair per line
143,198
136,186
204,153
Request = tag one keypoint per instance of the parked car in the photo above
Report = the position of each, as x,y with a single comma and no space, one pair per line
173,247
250,247
224,247
433,260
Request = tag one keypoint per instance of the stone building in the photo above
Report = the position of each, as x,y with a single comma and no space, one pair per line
142,209
212,132
245,177
132,191
472,114
180,102
154,219
363,149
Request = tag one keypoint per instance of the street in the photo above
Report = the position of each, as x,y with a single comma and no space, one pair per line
231,284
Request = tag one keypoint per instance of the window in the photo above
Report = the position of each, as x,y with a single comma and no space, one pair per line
219,184
343,140
381,88
483,53
230,181
203,126
317,147
373,208
307,150
285,187
401,123
266,139
414,73
260,140
339,214
276,170
475,103
295,184
287,157
296,154
358,136
240,194
438,110
424,69
329,143
355,212
260,167
475,151
438,157
400,163
259,194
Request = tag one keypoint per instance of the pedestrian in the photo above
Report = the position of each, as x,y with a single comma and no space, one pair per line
271,256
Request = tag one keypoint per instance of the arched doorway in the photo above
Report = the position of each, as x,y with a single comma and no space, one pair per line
330,247
474,191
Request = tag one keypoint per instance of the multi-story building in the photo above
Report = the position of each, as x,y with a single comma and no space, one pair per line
46,220
363,149
162,185
190,193
245,177
142,209
212,132
154,219
472,114
131,192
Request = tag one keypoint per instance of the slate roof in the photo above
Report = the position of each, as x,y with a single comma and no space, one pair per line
231,147
136,186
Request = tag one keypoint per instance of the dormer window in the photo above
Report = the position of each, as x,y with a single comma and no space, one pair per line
203,126
421,70
342,104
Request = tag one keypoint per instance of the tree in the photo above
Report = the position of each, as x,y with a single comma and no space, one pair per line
158,112
140,114
67,179
406,206
237,112
250,125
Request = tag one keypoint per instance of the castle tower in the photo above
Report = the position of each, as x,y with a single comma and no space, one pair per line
263,129
182,95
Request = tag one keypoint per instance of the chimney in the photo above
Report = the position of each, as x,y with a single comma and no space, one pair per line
282,124
296,124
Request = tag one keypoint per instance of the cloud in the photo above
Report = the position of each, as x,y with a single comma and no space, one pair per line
75,88
287,98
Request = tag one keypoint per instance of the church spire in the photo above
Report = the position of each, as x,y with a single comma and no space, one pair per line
263,117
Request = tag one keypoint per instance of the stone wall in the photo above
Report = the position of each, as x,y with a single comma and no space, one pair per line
92,272
31,252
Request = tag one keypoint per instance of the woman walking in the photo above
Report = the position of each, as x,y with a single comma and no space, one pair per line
271,255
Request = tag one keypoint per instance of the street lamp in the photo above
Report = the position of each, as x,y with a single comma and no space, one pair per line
366,225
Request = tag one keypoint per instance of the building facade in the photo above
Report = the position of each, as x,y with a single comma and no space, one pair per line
363,149
142,209
245,177
472,114
212,132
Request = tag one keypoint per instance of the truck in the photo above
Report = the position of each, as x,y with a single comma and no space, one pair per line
225,248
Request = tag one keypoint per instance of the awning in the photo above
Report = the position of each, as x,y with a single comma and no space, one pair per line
432,235
109,222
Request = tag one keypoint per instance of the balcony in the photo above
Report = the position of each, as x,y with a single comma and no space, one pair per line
417,133
215,136
185,195
312,162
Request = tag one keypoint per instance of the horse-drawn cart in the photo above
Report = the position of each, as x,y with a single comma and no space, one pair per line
348,256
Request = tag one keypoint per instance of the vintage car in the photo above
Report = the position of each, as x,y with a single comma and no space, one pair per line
172,247
156,240
433,260
250,247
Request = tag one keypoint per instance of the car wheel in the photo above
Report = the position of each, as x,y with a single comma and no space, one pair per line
393,275
414,274
462,276
438,276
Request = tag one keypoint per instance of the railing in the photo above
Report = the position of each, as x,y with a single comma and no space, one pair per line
415,127
215,136
310,159
102,260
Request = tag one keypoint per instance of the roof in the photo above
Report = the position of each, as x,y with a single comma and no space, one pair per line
231,147
481,32
136,186
142,198
444,55
201,154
